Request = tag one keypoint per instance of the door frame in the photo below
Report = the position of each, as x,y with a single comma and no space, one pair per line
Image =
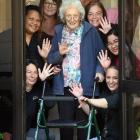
18,70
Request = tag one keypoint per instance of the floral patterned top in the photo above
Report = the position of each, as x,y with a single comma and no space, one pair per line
71,62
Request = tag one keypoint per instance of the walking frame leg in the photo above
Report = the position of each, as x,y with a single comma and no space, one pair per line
93,120
90,124
96,125
40,116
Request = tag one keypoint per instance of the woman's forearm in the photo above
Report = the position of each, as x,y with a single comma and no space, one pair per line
85,108
101,103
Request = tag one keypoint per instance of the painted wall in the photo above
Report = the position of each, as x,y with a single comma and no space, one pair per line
110,3
35,2
5,15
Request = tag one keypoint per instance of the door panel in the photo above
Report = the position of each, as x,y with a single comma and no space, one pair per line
6,104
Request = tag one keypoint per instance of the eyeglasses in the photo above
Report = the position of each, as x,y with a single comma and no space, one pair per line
97,14
110,44
70,17
53,4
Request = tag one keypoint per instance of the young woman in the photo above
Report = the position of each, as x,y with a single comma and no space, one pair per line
32,93
108,102
96,13
97,17
35,38
49,11
111,55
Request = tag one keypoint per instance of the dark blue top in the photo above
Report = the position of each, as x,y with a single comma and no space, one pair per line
111,115
90,46
31,107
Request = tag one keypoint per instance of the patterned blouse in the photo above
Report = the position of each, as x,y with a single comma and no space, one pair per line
71,62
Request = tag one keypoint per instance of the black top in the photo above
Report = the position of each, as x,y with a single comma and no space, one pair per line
104,36
32,107
111,116
32,50
32,104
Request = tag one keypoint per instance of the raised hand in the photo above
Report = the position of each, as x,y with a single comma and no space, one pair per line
76,90
104,60
105,25
63,48
44,51
46,72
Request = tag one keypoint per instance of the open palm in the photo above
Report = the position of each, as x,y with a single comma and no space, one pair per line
46,46
76,90
104,60
105,25
46,72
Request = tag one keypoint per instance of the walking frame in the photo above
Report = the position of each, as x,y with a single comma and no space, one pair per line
42,123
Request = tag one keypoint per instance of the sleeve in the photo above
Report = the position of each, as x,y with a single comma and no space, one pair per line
113,101
54,56
99,68
99,46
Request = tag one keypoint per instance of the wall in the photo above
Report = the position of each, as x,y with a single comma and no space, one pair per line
36,2
110,3
5,15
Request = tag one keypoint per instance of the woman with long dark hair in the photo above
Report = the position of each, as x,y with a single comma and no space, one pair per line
33,73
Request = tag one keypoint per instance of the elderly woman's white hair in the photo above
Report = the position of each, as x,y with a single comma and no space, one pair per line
68,3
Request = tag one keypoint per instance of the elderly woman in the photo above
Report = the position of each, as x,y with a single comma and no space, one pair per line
75,47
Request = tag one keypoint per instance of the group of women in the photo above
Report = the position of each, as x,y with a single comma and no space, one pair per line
80,44
72,42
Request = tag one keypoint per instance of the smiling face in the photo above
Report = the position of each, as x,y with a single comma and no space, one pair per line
50,8
112,81
72,18
113,44
31,75
94,15
32,22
